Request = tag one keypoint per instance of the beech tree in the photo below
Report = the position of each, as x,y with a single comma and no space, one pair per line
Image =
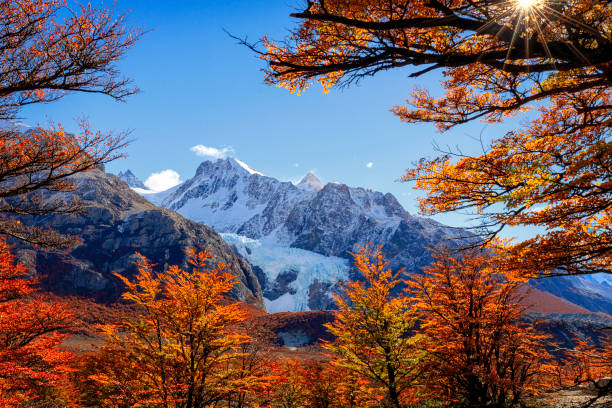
478,353
183,351
34,369
48,50
255,363
499,59
328,385
319,384
591,365
372,330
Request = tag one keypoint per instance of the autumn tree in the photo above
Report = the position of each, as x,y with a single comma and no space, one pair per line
326,385
372,329
37,163
478,352
34,369
319,384
591,365
355,391
255,364
320,381
286,390
48,50
183,349
499,59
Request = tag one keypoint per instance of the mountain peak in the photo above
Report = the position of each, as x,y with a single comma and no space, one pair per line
223,166
310,182
127,173
131,179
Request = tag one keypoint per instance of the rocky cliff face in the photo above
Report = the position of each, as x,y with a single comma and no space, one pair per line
115,225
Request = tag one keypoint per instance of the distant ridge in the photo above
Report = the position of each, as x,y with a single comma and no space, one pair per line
131,179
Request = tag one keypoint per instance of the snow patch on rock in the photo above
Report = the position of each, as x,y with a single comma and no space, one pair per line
247,168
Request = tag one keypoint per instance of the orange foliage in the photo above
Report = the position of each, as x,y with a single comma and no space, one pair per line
497,56
319,385
556,174
590,365
254,364
184,349
477,350
34,369
372,330
498,60
47,50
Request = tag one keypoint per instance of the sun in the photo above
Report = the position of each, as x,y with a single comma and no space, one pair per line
525,4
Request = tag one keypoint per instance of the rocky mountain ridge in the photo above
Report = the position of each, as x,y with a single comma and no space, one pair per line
329,219
131,179
298,237
269,221
115,224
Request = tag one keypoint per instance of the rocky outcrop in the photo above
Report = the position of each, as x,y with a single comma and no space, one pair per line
115,224
319,295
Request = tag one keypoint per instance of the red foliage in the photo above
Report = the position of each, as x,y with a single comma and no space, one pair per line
33,366
479,352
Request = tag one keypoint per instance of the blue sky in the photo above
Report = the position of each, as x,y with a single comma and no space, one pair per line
200,88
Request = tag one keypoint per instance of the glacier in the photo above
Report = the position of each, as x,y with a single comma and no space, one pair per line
274,260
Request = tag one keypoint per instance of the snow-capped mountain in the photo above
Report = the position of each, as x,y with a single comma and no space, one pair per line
298,236
131,179
329,220
231,197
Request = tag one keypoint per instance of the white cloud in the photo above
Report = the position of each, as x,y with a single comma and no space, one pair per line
207,151
369,165
296,164
163,180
